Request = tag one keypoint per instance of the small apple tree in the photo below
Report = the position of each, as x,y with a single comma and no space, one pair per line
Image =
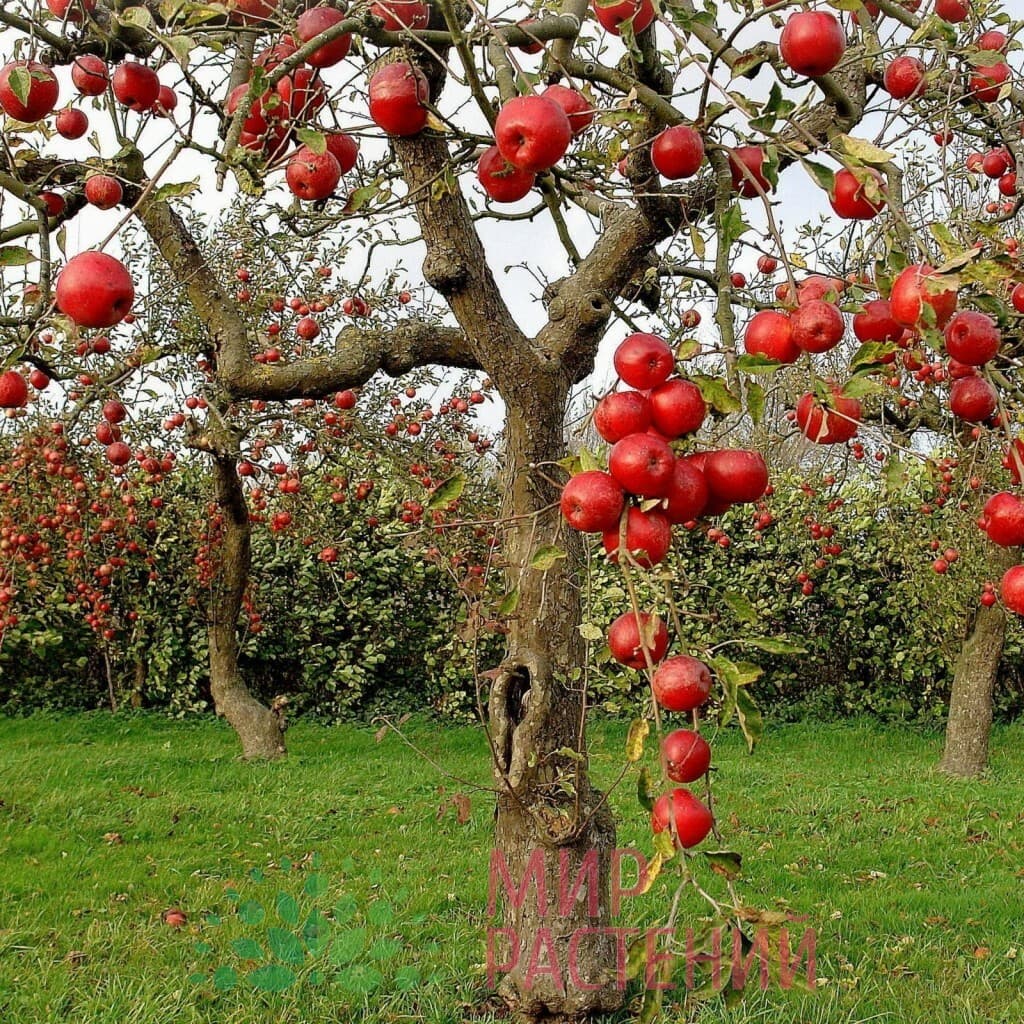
635,138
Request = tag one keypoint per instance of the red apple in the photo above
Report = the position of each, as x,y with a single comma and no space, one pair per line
627,645
687,755
344,149
136,86
532,133
251,12
401,14
677,152
904,78
1012,589
166,101
992,41
1017,298
850,198
746,164
1003,519
71,10
677,408
103,191
312,176
770,334
692,820
576,106
832,424
953,11
303,94
500,180
95,290
397,94
592,502
28,90
735,475
648,538
316,21
642,464
643,361
987,82
13,390
687,494
90,75
973,399
611,17
621,413
972,338
681,683
71,123
875,323
817,326
118,454
812,43
917,286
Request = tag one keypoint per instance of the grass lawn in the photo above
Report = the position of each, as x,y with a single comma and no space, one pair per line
913,882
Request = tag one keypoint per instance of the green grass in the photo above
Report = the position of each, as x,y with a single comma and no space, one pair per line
912,881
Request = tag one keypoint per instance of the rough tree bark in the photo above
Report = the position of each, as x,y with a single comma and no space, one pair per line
974,680
258,727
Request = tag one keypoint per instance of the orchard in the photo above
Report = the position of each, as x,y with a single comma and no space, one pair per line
277,245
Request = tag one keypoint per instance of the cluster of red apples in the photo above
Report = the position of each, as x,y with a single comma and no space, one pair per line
646,490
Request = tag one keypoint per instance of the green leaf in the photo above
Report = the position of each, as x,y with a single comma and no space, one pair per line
407,978
251,912
285,946
316,885
862,150
895,475
636,958
20,83
740,605
546,556
716,393
773,645
447,492
345,909
247,949
347,945
384,949
312,139
225,979
645,791
638,733
181,47
588,460
757,364
136,17
755,401
863,386
751,722
591,631
359,979
316,932
724,862
824,176
175,190
380,912
287,908
732,225
15,256
272,978
509,603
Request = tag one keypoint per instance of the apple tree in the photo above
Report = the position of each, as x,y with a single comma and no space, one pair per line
654,148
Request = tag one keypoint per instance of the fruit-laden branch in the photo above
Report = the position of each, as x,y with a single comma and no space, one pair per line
630,235
359,353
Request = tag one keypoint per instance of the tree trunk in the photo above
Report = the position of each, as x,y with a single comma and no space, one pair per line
258,727
970,703
558,955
